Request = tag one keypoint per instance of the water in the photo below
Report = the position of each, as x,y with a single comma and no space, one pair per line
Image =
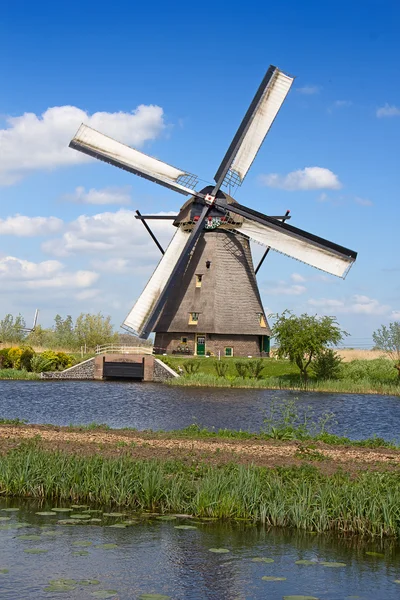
154,557
155,406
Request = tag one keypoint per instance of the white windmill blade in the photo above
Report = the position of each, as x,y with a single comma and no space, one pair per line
139,314
257,122
298,244
96,144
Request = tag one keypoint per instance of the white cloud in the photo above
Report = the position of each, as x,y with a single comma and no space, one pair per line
395,314
16,274
119,234
22,226
297,278
357,304
363,201
388,111
342,103
284,289
41,142
108,195
310,178
309,90
113,265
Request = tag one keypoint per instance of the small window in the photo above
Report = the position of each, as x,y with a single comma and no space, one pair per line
229,351
262,320
193,318
199,279
184,340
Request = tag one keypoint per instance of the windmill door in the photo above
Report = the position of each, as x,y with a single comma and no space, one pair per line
201,345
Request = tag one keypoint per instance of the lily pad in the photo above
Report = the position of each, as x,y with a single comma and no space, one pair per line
79,506
88,582
14,526
154,597
83,543
306,562
59,588
272,578
79,516
395,581
9,509
61,510
113,514
219,550
104,594
95,520
35,551
167,518
378,554
332,564
3,571
107,546
62,581
53,533
46,513
300,598
29,537
185,527
118,526
261,559
80,553
5,518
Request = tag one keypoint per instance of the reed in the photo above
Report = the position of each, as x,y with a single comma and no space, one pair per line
303,498
18,374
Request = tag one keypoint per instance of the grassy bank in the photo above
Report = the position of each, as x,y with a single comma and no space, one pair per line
368,504
18,374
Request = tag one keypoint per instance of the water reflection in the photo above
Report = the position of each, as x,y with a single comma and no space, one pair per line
155,406
155,557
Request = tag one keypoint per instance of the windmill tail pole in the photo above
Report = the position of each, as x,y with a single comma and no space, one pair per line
264,256
155,240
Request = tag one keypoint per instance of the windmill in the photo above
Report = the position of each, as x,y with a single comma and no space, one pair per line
203,295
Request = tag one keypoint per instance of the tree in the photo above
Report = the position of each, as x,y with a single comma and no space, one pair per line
64,332
302,338
387,339
94,330
11,330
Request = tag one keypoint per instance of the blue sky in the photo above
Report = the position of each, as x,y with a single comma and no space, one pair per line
175,80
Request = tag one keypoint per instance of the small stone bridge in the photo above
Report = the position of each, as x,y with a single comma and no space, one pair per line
118,362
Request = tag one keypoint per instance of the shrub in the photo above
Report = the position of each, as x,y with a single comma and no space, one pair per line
64,361
5,362
327,364
26,357
39,364
255,368
14,355
221,367
191,366
242,368
379,370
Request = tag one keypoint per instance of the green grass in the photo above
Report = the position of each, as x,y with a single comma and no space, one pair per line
18,374
273,368
303,498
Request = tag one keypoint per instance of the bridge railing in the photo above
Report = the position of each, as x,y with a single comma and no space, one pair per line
120,349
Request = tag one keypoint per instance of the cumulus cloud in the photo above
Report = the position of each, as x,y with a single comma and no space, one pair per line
388,111
119,234
357,304
108,195
309,90
342,103
297,278
395,314
112,265
17,274
33,141
285,289
310,178
22,226
363,201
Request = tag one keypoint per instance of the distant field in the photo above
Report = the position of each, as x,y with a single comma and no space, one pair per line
349,354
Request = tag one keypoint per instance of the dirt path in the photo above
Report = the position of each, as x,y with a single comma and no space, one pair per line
213,450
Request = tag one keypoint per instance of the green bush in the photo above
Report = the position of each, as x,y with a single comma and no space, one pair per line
26,357
40,364
221,367
242,368
327,365
379,370
255,368
14,355
5,362
191,366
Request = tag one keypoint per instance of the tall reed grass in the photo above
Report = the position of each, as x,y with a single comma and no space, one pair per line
302,498
18,374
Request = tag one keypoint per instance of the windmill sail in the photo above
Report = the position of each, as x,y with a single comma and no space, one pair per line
296,243
96,144
139,314
257,122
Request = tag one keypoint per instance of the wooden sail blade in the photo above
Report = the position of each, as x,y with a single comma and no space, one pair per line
100,146
144,305
296,243
257,122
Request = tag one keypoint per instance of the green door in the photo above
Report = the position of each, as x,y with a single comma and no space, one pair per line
201,345
265,344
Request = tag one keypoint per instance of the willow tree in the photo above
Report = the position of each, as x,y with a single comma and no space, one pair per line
387,339
302,338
